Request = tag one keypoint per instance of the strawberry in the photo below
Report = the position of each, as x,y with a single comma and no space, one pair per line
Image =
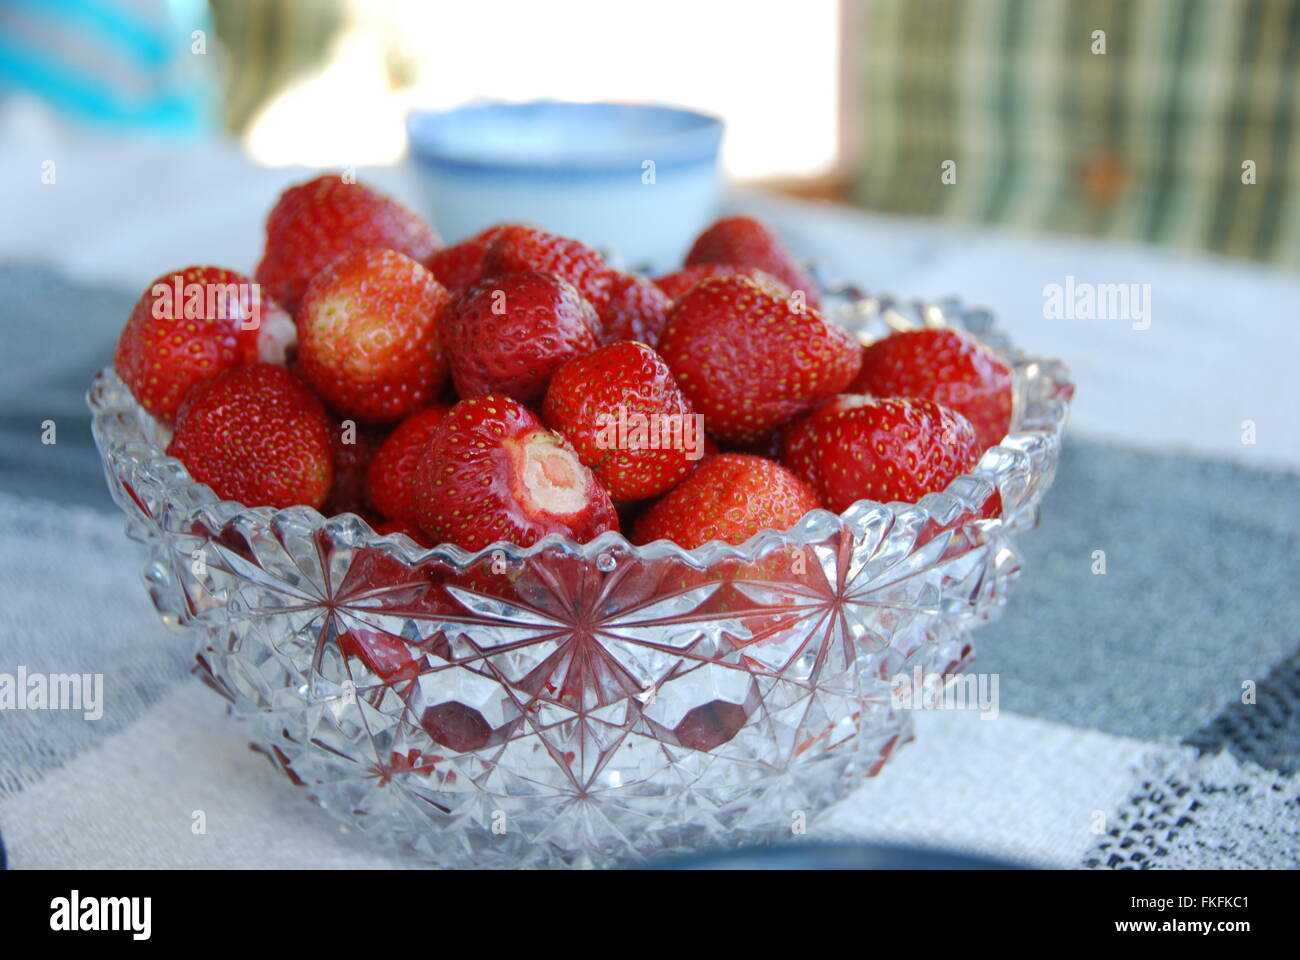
190,325
624,414
354,448
391,478
729,497
493,472
636,310
746,242
258,435
678,284
947,366
750,359
511,332
460,267
518,249
368,336
793,446
315,223
408,527
857,448
386,656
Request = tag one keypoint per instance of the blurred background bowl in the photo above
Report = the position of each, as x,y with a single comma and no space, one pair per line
636,180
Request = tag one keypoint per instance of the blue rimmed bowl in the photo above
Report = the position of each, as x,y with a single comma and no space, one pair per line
637,178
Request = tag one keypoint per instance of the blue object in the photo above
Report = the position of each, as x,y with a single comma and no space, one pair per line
834,856
114,64
639,180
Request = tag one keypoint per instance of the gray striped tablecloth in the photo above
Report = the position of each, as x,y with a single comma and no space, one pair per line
1121,738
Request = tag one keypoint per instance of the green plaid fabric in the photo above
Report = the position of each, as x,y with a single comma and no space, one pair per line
1154,139
271,44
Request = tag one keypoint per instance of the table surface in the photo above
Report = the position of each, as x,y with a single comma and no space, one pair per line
1120,682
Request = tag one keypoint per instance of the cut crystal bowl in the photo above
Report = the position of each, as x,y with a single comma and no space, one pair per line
585,704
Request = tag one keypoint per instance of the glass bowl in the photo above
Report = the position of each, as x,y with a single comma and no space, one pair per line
585,704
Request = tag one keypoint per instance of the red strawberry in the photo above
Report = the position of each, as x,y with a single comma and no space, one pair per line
190,325
314,223
624,414
386,656
355,446
750,359
368,336
511,332
856,448
391,478
794,446
730,497
411,529
258,435
947,366
745,241
637,309
518,249
493,472
461,266
678,284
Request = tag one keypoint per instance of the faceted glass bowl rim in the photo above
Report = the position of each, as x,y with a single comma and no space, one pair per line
120,427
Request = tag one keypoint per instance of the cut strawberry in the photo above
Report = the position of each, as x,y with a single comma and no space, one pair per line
493,472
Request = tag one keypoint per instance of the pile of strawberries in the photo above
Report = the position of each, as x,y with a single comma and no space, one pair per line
515,385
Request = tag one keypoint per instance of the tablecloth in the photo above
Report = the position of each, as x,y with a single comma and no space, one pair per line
1121,737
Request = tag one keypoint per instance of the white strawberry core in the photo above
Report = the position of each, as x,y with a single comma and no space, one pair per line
551,478
276,336
850,401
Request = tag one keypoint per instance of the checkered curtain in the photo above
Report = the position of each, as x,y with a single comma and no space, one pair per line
1154,136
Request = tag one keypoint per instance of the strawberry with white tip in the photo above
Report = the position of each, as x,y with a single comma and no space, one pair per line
493,472
190,325
368,335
